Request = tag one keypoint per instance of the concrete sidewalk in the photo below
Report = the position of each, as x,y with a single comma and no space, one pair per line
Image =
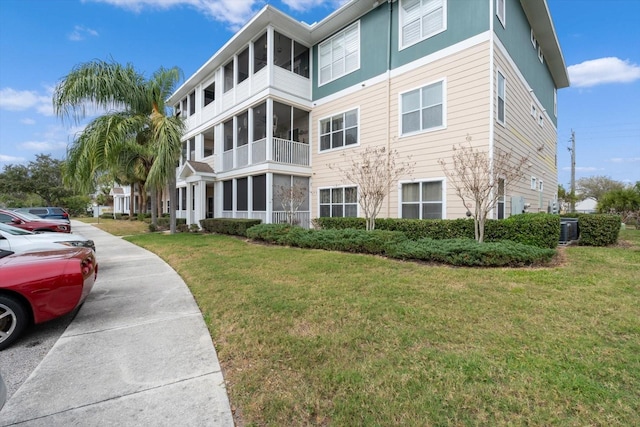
138,353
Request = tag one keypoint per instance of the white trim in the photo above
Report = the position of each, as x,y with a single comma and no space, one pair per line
402,46
329,116
534,41
396,72
501,73
502,17
441,179
343,202
534,183
443,81
342,33
540,55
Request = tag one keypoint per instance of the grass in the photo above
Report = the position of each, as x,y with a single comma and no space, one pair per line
117,227
310,337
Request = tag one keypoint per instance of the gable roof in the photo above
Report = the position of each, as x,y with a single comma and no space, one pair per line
192,167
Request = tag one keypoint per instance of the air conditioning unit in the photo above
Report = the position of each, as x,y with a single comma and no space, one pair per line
568,230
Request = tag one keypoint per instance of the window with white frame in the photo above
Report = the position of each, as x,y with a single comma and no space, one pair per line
421,19
501,199
540,186
423,108
534,110
541,120
339,202
501,97
534,42
422,200
340,54
534,183
338,131
501,11
540,56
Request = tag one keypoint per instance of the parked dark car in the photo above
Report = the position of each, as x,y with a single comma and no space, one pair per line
33,223
46,213
40,286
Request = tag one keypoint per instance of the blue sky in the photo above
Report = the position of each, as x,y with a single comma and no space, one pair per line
42,40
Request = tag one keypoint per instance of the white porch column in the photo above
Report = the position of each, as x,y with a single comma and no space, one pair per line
201,201
269,196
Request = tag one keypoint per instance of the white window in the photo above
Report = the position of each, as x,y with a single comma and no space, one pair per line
422,200
421,19
339,202
501,97
541,186
340,54
541,120
501,11
540,56
339,130
534,110
534,42
501,199
423,108
534,183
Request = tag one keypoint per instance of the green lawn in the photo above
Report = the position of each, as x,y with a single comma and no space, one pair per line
309,337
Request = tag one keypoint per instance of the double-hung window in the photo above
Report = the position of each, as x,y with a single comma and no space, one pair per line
501,11
501,98
340,54
339,130
423,108
421,19
339,202
422,200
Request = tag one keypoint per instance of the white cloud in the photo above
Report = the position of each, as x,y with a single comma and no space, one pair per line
43,145
80,33
234,12
603,70
28,121
11,159
21,100
625,159
304,5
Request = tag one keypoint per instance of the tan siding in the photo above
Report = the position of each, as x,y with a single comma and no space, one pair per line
466,76
525,137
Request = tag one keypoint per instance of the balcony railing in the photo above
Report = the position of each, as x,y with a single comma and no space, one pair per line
301,218
277,150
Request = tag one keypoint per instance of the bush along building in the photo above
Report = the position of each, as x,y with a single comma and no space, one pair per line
272,113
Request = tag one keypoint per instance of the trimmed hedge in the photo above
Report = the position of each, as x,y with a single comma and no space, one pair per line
233,226
598,229
469,253
395,244
165,222
542,230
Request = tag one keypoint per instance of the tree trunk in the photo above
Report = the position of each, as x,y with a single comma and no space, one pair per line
154,201
172,203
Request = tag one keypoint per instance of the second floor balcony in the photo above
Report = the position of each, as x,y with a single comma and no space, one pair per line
265,150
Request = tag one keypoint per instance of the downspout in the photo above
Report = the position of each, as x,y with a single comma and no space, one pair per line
389,26
491,93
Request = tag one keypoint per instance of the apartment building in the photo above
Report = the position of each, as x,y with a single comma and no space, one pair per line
283,101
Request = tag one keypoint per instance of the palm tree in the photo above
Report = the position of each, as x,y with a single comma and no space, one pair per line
135,135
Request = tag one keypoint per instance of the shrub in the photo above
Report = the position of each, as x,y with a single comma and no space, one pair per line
468,252
540,229
338,223
598,229
153,228
233,226
270,233
164,222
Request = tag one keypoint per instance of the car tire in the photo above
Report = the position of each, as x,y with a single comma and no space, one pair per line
13,320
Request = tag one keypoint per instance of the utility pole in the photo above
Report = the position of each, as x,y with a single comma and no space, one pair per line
573,170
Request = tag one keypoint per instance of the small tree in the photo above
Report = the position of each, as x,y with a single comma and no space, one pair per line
476,176
596,186
291,197
373,170
624,202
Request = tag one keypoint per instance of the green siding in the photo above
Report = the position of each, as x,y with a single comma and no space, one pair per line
516,38
373,54
465,19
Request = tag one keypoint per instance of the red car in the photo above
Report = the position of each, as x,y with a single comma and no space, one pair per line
40,286
33,222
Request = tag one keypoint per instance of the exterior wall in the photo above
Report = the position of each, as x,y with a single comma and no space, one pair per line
523,134
466,77
515,36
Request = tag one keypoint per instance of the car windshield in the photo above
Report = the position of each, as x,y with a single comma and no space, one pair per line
26,216
13,230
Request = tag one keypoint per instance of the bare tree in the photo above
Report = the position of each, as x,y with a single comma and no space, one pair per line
596,186
291,197
476,176
373,170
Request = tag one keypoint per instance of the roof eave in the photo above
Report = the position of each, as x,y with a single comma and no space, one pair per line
539,17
